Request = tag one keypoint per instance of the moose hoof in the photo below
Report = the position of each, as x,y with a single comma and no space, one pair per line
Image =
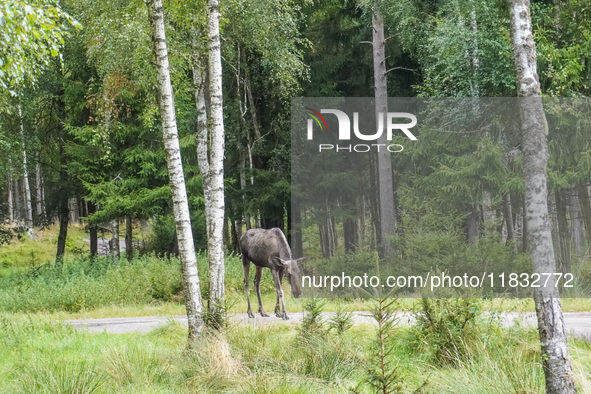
285,317
250,315
264,314
278,314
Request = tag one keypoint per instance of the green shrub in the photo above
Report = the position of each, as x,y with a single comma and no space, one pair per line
342,320
446,327
312,324
87,284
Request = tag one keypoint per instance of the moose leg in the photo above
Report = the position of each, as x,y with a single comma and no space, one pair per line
280,294
246,267
277,309
257,286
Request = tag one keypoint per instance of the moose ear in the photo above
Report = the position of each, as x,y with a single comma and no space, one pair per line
283,263
302,260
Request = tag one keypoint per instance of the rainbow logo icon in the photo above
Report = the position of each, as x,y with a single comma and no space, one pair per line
317,117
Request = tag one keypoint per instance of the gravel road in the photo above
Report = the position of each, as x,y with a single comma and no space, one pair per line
577,323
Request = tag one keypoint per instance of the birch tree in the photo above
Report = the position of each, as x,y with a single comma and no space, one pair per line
9,202
555,355
28,203
182,219
210,153
39,201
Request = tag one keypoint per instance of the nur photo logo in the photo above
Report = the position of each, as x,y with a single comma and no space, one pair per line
388,122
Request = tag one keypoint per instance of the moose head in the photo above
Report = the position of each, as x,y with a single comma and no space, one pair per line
293,272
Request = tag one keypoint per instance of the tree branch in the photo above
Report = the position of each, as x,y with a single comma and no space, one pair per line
402,68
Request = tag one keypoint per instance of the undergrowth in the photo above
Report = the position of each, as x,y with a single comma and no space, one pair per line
86,284
41,356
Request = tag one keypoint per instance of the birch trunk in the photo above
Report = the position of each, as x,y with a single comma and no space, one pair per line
475,53
215,241
10,203
43,206
202,137
38,193
182,219
18,215
386,187
28,202
555,355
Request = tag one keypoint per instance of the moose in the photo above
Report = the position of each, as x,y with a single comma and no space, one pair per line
269,248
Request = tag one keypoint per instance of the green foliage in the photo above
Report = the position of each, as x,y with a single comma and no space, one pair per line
163,235
133,366
328,360
446,37
563,36
84,284
247,359
447,328
5,235
89,284
24,252
342,320
312,324
48,375
33,32
383,370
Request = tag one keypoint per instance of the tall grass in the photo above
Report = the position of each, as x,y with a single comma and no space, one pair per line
43,357
86,284
49,375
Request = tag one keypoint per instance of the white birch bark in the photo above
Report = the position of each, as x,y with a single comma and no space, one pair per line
38,193
182,219
385,183
17,201
28,203
10,203
555,356
202,137
215,242
475,51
